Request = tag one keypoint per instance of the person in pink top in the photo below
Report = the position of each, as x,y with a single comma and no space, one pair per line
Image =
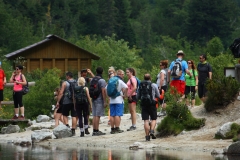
2,83
19,80
131,93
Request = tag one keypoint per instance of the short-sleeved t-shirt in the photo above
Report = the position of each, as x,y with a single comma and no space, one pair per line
203,71
191,81
159,76
184,68
119,99
2,75
130,85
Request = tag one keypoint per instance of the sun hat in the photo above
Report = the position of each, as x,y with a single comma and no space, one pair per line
180,52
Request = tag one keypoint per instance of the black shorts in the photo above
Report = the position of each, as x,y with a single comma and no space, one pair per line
1,95
59,110
202,90
133,100
67,108
149,111
189,89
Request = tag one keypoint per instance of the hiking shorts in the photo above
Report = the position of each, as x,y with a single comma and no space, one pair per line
59,110
189,89
149,111
133,100
116,109
67,108
1,95
202,90
179,85
98,108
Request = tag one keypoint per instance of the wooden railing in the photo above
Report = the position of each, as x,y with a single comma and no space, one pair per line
11,85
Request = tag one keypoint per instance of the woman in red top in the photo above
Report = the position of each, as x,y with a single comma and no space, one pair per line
19,80
132,99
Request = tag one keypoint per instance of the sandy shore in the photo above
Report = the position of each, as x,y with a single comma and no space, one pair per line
197,140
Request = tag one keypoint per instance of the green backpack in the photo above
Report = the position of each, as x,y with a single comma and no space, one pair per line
80,94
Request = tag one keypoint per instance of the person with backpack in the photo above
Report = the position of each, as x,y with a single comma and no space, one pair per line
191,83
98,95
131,93
68,101
162,85
204,72
117,91
148,91
82,100
19,81
177,71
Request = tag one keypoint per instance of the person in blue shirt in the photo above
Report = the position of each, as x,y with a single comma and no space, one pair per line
179,83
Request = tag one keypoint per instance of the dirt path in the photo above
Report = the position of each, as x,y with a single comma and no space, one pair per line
196,140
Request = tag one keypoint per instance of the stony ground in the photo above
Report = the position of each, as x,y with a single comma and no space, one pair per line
196,140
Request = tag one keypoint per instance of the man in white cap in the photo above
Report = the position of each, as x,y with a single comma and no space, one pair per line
177,71
2,83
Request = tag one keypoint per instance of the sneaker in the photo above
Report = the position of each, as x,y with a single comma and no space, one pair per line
86,131
15,117
117,131
147,138
21,117
152,135
99,133
131,128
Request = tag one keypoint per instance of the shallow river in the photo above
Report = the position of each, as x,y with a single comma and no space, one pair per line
8,151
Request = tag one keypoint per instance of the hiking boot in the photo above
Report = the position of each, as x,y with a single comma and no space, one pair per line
117,131
86,131
21,117
131,128
73,132
147,138
152,135
15,117
99,133
82,134
112,131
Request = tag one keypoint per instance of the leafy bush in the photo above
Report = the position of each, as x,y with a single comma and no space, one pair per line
178,118
221,91
39,99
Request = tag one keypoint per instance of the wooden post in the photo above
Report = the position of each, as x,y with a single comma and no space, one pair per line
28,65
66,65
53,63
41,64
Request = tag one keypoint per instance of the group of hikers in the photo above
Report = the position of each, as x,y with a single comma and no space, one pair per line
87,94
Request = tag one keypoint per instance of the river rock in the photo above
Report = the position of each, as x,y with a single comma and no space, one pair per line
41,135
62,131
10,129
43,118
224,129
234,148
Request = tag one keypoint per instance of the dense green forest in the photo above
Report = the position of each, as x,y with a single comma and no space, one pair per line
151,29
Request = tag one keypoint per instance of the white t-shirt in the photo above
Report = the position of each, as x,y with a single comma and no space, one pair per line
159,76
118,99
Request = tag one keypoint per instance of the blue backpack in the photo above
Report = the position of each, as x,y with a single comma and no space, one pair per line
138,83
112,87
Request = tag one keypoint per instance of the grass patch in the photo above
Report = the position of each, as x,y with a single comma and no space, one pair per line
233,133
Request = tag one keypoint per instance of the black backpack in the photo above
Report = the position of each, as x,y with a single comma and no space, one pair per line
95,89
176,71
70,91
25,88
145,89
80,95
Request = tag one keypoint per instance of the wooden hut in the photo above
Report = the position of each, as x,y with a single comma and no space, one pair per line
54,52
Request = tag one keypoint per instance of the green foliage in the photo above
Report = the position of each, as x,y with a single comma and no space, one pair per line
39,99
233,133
214,47
219,96
178,118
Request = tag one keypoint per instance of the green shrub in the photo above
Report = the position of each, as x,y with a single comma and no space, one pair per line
221,91
178,118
